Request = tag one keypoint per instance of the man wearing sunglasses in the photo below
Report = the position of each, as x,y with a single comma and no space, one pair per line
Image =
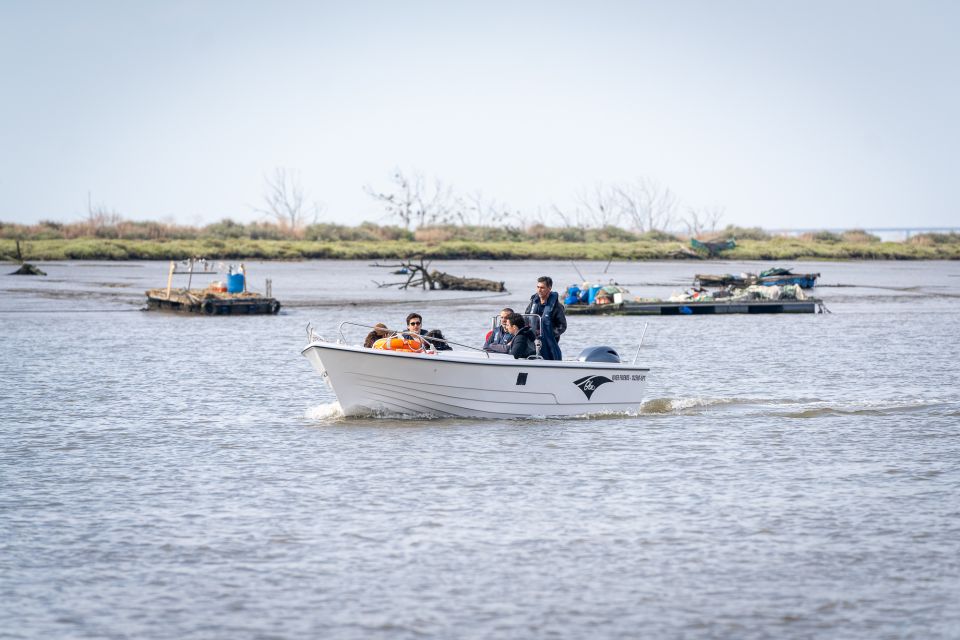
414,323
415,328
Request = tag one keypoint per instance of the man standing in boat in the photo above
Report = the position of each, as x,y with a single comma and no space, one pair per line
553,322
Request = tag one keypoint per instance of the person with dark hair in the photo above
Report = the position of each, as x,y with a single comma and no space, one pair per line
440,343
379,331
499,339
553,322
523,344
414,322
415,328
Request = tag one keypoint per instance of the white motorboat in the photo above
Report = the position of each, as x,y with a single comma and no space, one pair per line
474,383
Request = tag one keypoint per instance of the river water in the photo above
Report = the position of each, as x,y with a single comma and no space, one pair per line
164,476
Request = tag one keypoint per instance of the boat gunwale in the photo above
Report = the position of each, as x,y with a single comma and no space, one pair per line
500,362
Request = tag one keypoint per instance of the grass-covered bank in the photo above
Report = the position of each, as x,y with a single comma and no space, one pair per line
930,247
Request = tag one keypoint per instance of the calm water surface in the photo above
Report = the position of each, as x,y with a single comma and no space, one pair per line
187,477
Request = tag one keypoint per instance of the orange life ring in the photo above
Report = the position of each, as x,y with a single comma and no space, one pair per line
400,343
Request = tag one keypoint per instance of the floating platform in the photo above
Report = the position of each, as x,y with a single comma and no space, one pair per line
667,308
804,280
210,303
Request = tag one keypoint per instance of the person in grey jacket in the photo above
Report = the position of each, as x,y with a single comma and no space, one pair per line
499,339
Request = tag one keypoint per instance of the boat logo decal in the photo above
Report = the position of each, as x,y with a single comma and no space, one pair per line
589,384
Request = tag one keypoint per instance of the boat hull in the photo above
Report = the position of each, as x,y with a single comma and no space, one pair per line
804,280
367,381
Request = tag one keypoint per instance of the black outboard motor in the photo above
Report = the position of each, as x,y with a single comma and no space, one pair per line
599,354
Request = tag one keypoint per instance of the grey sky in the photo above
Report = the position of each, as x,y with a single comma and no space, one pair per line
788,114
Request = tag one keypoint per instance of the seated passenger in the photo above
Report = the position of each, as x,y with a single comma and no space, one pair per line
380,331
414,326
441,343
523,344
415,329
499,339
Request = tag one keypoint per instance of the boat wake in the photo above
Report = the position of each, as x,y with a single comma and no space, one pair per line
790,408
827,410
324,411
699,405
332,411
793,408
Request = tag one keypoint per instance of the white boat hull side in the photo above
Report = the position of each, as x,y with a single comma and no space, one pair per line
368,381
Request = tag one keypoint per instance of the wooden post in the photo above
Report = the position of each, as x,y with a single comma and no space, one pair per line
173,265
243,271
190,277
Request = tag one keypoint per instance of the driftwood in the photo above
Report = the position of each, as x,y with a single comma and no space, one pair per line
27,269
418,274
446,281
684,253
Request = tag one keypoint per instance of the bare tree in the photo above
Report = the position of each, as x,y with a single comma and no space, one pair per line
703,220
100,217
572,219
475,209
647,204
285,200
412,202
602,204
436,204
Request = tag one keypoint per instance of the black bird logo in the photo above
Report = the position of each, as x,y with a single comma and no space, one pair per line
589,384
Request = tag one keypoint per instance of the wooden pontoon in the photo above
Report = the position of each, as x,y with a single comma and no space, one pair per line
211,302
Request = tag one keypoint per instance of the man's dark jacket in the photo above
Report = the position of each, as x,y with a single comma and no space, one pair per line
522,344
558,319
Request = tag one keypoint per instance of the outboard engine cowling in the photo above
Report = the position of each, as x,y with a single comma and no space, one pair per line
599,354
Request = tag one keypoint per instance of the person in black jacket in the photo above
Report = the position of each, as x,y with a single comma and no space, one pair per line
523,344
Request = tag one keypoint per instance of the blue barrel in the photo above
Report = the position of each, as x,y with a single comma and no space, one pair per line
235,283
573,295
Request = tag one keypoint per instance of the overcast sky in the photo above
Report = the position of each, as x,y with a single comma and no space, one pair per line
808,113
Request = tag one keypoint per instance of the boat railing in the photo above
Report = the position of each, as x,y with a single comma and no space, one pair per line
388,331
313,336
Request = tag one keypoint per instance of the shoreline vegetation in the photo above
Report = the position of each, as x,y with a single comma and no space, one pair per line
126,240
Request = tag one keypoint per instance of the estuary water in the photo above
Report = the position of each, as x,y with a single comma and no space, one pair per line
166,476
